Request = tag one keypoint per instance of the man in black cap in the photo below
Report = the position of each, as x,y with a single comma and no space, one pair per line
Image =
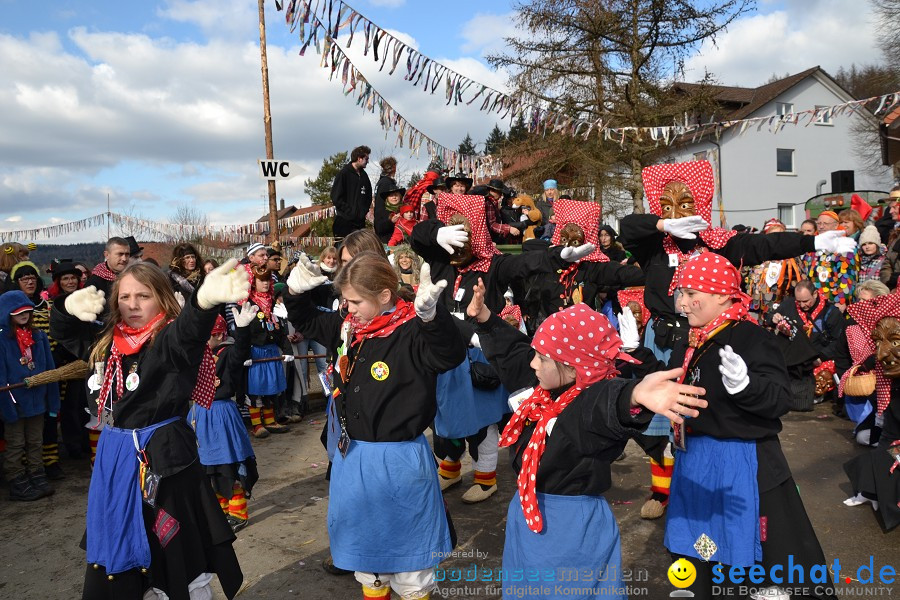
351,194
135,250
387,211
492,203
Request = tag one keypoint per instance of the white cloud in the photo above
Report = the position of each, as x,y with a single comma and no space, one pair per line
485,33
828,33
14,219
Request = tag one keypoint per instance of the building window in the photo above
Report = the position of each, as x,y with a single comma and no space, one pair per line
784,161
784,108
824,117
786,214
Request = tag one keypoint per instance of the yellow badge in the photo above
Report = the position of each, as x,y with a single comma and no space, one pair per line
380,371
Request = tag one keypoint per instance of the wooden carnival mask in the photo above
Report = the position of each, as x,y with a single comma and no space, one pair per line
676,201
463,255
638,313
886,336
571,235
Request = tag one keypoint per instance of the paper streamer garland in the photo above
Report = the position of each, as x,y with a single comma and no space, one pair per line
330,17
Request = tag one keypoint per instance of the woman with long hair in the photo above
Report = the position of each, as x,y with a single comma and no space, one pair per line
154,526
185,270
384,489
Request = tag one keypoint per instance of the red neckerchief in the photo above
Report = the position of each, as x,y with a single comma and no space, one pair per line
699,335
809,321
263,300
540,407
382,325
130,340
25,339
104,272
406,225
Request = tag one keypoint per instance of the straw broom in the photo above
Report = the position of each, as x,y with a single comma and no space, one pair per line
74,370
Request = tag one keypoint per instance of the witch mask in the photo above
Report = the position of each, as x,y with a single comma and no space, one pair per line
677,201
886,336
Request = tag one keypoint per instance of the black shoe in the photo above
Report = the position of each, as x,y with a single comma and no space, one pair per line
236,523
328,567
21,488
40,482
54,472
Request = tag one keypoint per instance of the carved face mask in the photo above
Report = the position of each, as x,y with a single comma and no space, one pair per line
463,255
638,313
571,235
886,336
676,201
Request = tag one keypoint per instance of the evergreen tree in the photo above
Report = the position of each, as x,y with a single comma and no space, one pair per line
467,146
495,140
517,132
319,189
413,179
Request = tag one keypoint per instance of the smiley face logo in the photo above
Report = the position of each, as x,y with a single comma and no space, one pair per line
682,573
380,371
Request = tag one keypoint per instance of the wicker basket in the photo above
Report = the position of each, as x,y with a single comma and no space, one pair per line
859,385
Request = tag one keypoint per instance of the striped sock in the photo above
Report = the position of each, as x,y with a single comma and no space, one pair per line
255,416
661,478
237,506
93,438
268,416
379,593
50,454
223,502
449,469
486,480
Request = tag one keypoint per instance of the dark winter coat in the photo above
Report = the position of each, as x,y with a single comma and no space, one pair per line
351,193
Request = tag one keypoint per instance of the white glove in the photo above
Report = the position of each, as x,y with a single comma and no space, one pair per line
248,362
288,358
223,284
523,218
628,331
180,298
685,227
834,242
452,236
246,315
733,370
475,341
305,276
570,254
428,294
85,304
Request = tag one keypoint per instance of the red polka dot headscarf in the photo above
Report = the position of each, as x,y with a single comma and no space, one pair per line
714,274
472,208
867,314
696,175
583,339
587,216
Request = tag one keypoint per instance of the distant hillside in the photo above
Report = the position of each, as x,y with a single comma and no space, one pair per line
89,253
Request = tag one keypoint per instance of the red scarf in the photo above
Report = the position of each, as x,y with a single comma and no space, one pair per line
809,321
104,272
25,339
263,300
540,407
383,325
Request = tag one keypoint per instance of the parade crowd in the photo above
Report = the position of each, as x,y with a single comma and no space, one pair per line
690,339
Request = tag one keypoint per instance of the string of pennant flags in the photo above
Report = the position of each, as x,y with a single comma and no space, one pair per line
174,232
320,22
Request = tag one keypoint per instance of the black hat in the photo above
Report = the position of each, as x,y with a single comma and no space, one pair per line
392,190
438,183
270,252
497,185
133,247
63,266
467,181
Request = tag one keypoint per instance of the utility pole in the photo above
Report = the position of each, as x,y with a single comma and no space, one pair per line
267,120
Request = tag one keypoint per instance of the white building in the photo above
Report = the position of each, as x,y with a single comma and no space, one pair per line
764,174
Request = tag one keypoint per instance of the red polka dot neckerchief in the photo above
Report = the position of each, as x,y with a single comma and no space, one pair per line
539,408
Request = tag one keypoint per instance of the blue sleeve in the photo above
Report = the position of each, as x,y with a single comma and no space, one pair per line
7,409
51,389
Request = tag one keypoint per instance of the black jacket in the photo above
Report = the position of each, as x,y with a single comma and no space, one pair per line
401,406
588,435
641,238
384,227
230,358
351,193
829,333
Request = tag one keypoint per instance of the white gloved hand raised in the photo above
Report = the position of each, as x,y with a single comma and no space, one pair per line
428,294
451,237
223,284
85,304
628,331
734,371
475,341
685,227
570,254
305,276
246,315
834,242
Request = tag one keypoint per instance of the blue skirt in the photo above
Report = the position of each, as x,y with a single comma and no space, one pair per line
385,510
266,378
462,409
221,434
116,536
577,554
714,491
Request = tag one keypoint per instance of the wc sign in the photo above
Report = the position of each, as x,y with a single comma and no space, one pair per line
274,169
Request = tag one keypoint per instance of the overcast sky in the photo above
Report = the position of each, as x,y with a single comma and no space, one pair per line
158,103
